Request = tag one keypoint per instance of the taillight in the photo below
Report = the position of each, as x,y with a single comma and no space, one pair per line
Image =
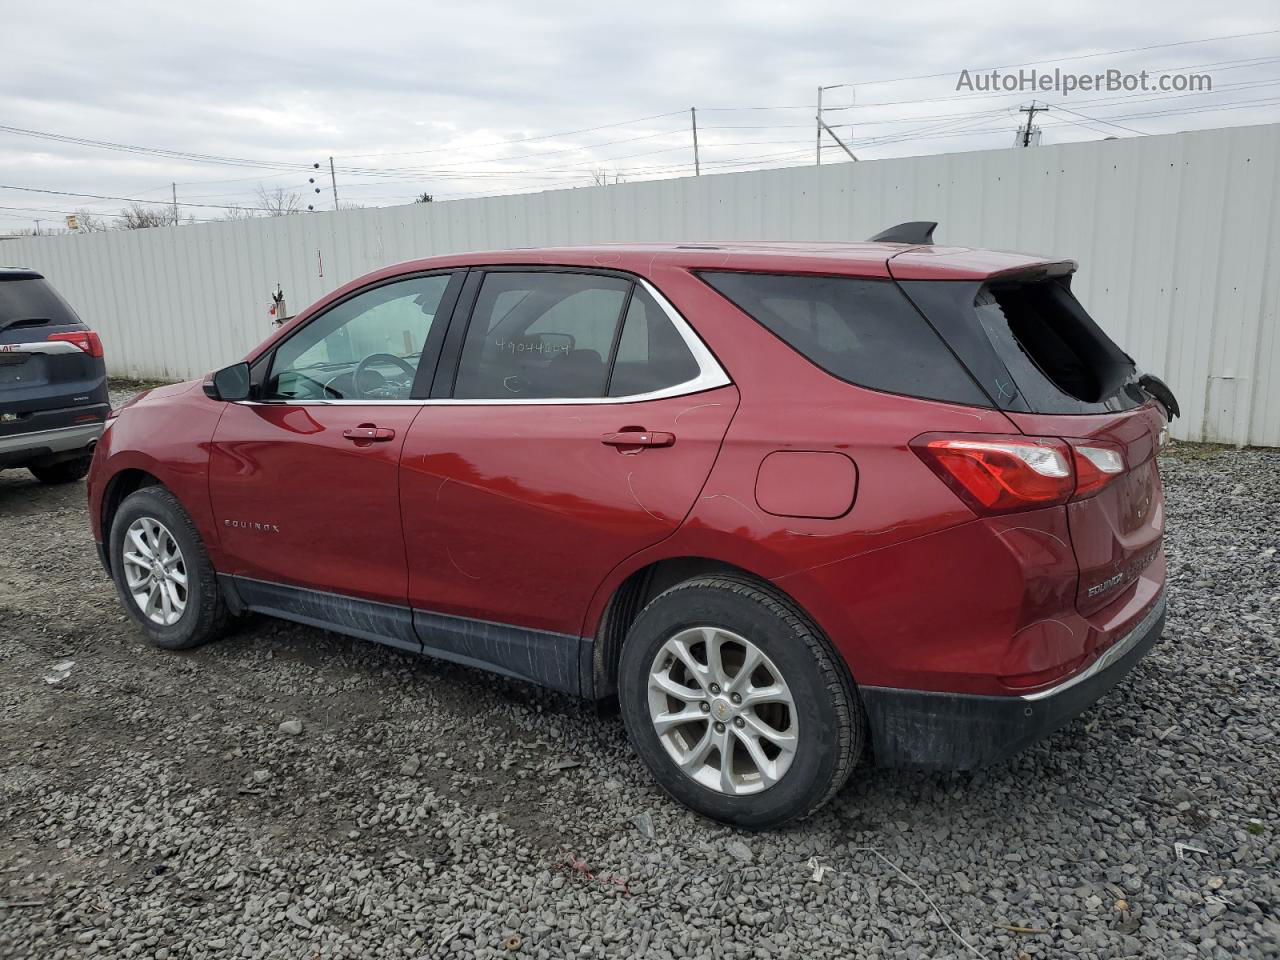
994,473
1000,474
86,340
1096,466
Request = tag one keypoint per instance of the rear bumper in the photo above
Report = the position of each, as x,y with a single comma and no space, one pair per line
954,731
19,448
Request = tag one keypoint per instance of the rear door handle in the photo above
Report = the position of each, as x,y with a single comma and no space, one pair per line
368,433
639,438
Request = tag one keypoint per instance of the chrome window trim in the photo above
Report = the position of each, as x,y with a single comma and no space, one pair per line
710,376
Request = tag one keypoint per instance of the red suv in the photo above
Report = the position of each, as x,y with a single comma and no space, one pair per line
795,504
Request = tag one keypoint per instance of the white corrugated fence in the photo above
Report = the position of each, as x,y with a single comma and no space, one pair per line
1176,238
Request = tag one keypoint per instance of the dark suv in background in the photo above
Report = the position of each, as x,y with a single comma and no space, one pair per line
53,381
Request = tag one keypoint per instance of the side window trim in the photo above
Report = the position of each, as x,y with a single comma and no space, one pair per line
260,371
617,337
710,373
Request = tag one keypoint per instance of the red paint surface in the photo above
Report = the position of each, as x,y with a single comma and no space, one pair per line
516,513
332,503
521,514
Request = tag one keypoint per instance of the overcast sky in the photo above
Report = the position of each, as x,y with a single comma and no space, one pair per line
419,97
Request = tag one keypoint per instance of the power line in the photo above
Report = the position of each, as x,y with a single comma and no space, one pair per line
285,167
1233,64
1118,126
98,196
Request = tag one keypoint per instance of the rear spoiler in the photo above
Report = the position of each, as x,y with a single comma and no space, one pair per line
1159,391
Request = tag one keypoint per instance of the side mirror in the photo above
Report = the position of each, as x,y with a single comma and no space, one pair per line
229,383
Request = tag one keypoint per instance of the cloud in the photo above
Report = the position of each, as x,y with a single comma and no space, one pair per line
423,92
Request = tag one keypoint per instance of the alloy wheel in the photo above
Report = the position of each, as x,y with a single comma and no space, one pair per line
155,572
723,711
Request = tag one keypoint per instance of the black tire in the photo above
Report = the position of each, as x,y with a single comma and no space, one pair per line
831,725
65,471
205,616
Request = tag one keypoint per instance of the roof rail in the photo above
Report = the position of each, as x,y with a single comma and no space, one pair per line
915,231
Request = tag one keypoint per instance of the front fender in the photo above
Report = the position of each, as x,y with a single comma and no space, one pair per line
166,434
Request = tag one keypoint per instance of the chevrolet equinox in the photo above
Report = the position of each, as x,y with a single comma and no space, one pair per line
795,505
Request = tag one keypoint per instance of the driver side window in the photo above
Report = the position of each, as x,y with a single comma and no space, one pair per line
365,348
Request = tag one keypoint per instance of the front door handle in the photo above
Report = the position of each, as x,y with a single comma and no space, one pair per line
639,438
368,433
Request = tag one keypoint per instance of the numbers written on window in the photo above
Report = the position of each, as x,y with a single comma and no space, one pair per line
365,348
544,335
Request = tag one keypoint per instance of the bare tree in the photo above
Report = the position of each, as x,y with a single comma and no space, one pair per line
423,198
138,216
240,213
89,222
278,202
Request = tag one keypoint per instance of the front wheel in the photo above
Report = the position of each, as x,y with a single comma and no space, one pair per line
737,703
162,572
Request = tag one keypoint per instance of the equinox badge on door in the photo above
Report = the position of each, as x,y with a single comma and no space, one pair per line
251,525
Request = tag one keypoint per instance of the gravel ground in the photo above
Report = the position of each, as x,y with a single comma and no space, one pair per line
289,793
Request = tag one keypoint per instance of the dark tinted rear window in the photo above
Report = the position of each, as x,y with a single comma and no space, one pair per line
861,330
31,298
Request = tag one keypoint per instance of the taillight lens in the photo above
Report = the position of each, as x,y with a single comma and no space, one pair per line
994,473
86,340
1096,465
1000,474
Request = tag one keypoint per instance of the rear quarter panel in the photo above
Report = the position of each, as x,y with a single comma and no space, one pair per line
854,574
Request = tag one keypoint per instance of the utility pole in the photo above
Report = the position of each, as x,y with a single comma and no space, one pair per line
1025,132
333,178
37,228
175,201
823,125
693,116
818,158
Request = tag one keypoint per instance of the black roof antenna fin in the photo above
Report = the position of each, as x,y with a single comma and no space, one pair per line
917,231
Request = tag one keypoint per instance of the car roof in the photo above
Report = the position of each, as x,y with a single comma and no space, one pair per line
900,260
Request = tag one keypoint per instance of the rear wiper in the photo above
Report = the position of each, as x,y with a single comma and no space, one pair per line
24,322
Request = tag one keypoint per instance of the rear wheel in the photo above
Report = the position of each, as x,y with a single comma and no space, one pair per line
162,573
737,703
65,471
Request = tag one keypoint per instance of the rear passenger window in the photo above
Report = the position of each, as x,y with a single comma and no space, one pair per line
651,353
863,331
551,336
540,336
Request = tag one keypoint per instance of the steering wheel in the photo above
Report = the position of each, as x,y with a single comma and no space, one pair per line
363,366
323,390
